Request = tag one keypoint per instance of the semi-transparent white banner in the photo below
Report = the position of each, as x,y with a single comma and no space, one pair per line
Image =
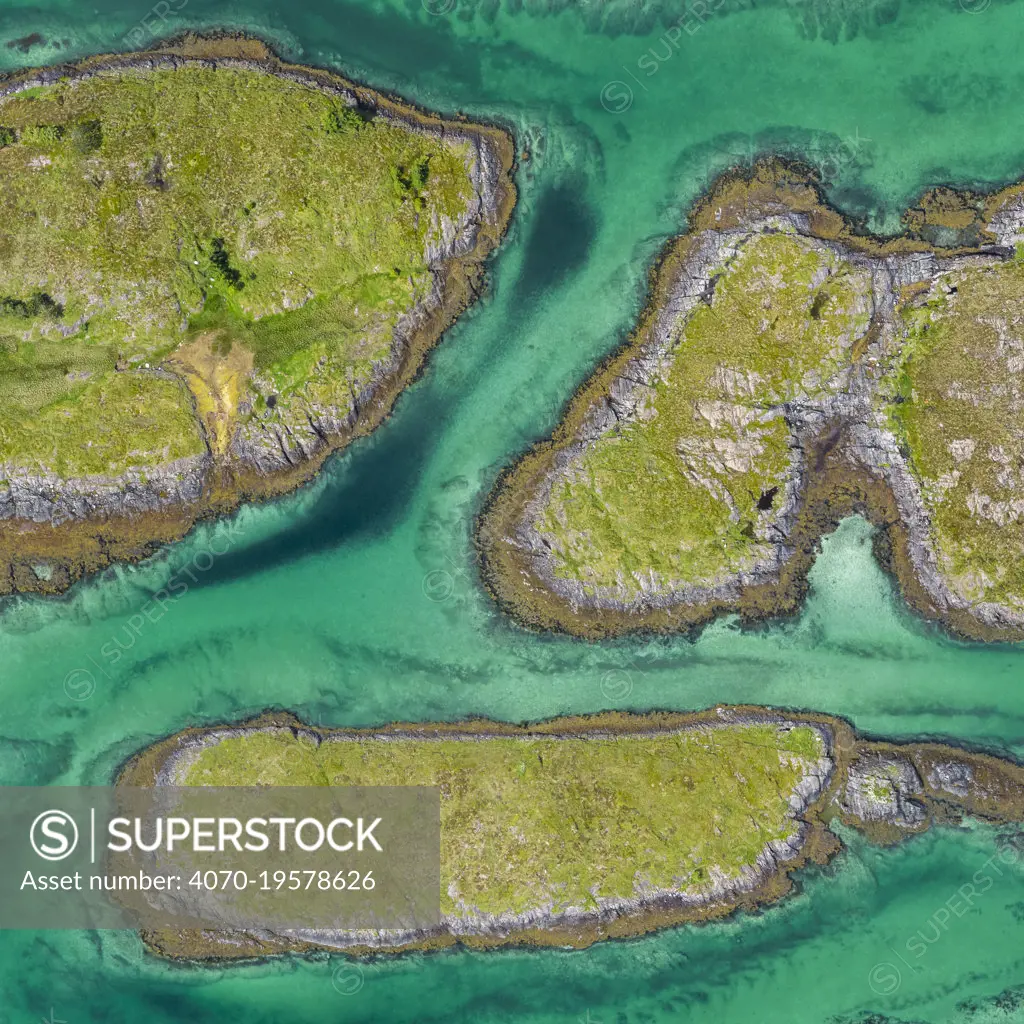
220,857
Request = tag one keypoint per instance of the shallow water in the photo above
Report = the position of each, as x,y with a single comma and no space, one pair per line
356,600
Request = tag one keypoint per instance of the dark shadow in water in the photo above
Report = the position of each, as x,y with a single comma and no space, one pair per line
33,762
370,492
564,227
365,496
422,50
416,50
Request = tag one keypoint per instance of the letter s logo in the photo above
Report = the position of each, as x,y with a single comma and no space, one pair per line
54,835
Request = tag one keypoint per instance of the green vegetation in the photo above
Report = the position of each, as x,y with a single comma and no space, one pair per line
956,401
145,215
881,790
562,820
687,491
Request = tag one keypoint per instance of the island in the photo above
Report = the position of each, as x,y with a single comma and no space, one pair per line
215,269
574,830
787,371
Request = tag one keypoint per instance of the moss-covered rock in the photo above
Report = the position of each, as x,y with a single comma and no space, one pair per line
958,385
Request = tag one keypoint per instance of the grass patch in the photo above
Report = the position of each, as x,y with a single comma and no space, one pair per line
108,424
143,210
955,401
688,491
526,822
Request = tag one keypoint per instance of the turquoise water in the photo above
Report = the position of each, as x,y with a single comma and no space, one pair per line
356,600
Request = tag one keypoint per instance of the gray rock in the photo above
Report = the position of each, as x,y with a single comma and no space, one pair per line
44,497
881,789
954,777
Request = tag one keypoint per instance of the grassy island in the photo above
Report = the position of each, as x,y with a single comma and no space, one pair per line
215,268
691,808
685,487
256,236
958,387
786,372
572,830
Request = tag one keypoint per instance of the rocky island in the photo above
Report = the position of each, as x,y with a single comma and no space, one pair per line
787,372
215,269
574,830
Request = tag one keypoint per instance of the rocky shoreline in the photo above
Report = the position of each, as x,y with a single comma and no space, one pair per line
888,791
52,530
844,458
